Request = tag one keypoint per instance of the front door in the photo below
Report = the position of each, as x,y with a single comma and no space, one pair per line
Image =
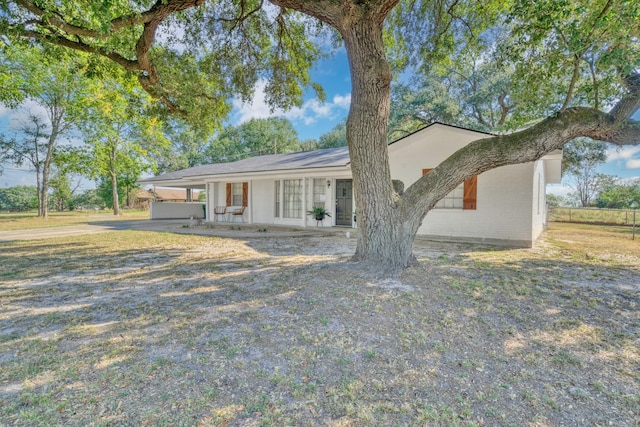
344,201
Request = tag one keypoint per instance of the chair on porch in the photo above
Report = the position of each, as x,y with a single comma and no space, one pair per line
238,212
220,212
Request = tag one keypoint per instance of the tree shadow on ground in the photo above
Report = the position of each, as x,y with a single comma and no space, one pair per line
285,331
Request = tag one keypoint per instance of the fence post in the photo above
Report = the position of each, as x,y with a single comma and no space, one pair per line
633,228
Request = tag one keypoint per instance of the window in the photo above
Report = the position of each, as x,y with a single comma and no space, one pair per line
277,200
453,200
238,194
292,198
319,192
462,197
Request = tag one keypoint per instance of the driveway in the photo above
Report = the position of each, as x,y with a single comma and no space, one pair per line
92,228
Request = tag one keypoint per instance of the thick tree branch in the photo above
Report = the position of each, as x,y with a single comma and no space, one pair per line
525,146
160,8
340,14
152,18
630,103
125,63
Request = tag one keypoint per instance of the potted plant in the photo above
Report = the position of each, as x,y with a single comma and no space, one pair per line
319,213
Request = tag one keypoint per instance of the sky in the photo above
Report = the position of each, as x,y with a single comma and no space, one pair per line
313,119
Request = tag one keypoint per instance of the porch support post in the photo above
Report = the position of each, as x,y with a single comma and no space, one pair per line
250,203
208,200
304,202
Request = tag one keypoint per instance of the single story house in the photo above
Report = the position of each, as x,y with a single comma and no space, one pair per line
506,205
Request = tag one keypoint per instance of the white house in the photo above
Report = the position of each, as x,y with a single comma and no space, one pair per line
505,205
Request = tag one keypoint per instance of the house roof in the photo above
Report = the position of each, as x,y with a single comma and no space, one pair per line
323,158
328,157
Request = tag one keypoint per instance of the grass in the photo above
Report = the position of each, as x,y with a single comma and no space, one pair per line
30,220
149,328
595,215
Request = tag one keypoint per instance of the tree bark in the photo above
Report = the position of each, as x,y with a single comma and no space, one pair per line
385,233
46,170
114,178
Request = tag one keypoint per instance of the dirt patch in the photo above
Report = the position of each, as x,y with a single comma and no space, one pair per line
147,328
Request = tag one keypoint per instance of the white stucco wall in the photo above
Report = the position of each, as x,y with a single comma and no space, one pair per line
176,210
504,196
261,201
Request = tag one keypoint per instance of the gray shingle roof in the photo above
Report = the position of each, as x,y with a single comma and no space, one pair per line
328,157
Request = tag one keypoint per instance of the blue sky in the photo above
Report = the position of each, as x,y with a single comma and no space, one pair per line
314,118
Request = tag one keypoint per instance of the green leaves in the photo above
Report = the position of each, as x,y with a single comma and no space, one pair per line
191,56
253,138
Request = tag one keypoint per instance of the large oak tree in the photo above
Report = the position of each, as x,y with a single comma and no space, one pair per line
575,61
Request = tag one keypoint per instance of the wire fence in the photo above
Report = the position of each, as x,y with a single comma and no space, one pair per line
595,216
625,217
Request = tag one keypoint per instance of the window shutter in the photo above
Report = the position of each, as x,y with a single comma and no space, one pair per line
228,194
425,171
470,191
245,194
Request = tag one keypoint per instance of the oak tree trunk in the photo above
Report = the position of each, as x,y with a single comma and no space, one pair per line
385,232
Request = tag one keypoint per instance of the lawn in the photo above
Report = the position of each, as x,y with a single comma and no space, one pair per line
27,220
149,328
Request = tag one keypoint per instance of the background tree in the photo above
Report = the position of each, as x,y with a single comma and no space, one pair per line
581,158
63,191
574,76
19,198
120,135
555,201
468,91
620,195
56,87
336,137
89,199
256,137
186,149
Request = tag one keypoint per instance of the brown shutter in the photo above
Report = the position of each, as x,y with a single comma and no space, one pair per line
228,194
245,194
470,190
425,171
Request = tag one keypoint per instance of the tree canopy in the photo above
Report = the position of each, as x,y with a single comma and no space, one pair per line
193,56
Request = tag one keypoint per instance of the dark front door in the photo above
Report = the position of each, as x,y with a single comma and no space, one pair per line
344,201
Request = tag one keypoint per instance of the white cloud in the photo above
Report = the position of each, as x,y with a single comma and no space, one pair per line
342,101
310,112
19,117
623,153
625,157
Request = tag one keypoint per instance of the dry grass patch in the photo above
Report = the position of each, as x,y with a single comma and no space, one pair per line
143,328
